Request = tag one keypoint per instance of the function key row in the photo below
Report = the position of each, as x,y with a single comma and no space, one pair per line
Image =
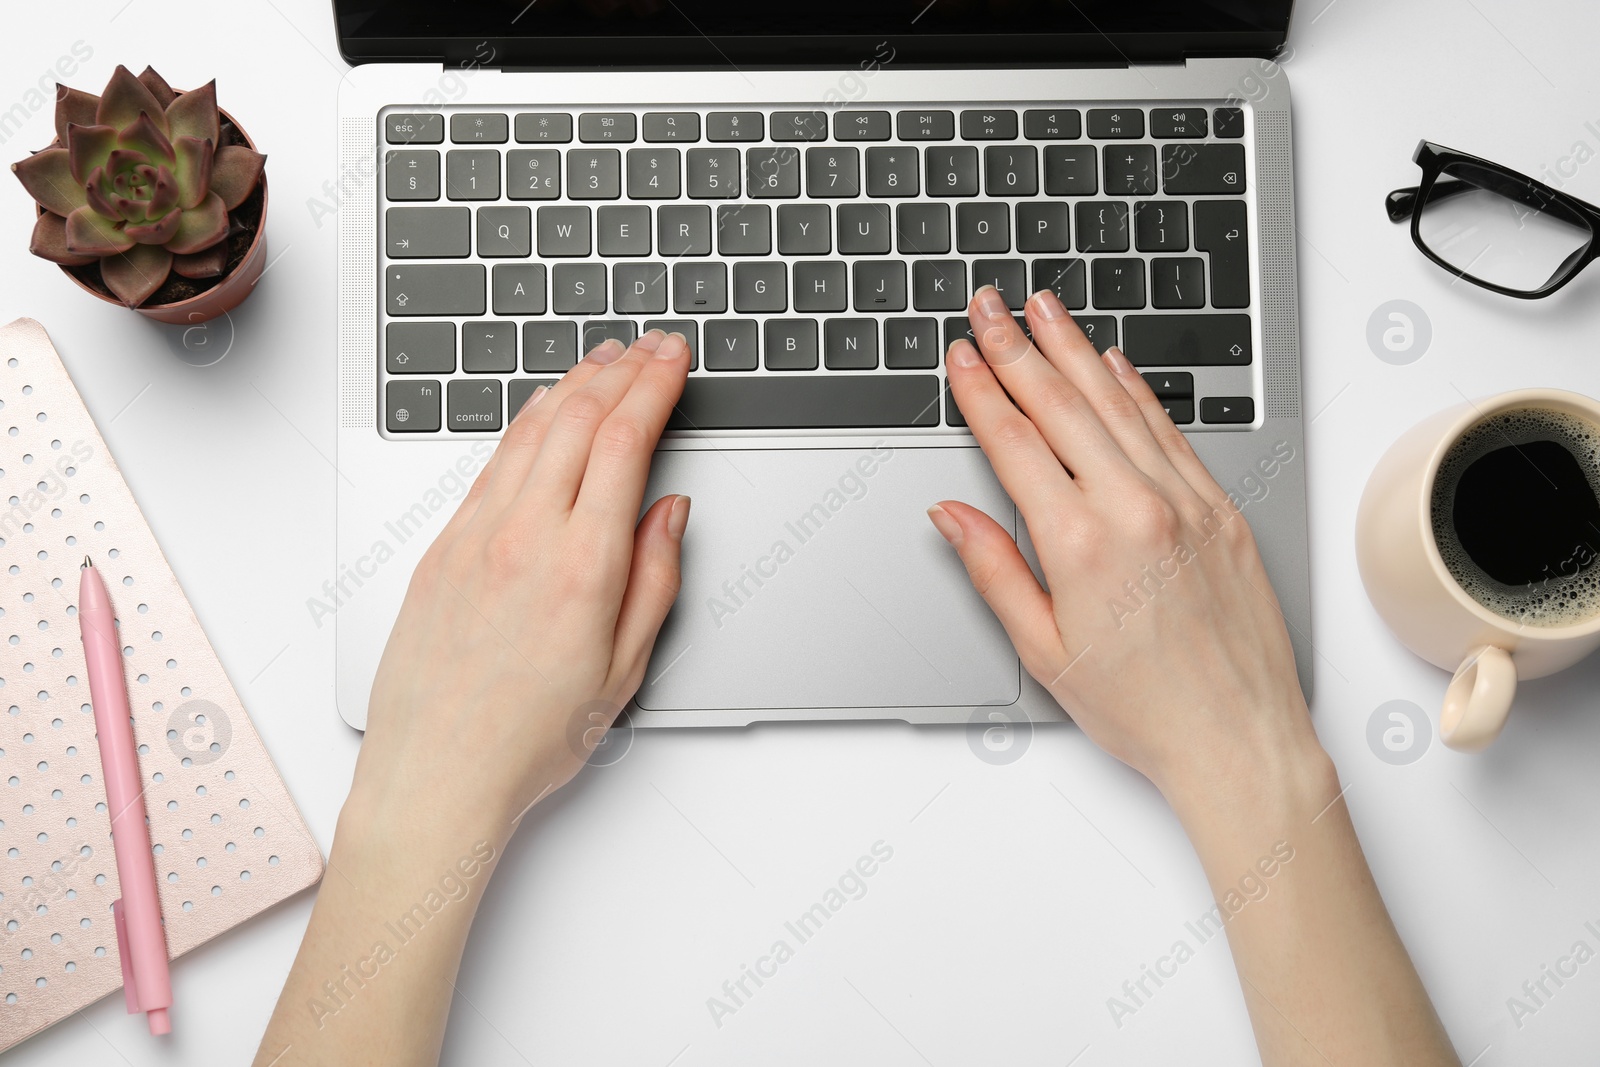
975,124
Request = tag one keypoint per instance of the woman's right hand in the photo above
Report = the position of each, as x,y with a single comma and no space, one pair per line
1159,631
1161,636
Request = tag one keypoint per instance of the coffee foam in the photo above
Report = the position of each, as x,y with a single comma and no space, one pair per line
1564,599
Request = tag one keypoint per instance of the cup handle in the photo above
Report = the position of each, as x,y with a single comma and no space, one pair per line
1479,696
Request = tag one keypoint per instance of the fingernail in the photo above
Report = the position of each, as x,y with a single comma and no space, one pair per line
533,398
608,351
672,346
962,354
946,524
650,341
1048,306
678,518
991,303
1117,361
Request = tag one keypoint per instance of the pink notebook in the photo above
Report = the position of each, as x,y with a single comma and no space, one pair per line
228,839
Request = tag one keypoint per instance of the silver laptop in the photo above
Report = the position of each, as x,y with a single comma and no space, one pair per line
810,193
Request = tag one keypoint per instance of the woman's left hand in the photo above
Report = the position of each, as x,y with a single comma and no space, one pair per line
528,623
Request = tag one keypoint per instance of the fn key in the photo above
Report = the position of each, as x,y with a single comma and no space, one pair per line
411,406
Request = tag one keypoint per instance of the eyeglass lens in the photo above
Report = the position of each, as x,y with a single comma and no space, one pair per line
1499,229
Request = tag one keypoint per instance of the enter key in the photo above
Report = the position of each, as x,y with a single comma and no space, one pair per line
1220,229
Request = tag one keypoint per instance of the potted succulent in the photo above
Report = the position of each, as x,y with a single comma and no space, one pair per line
151,198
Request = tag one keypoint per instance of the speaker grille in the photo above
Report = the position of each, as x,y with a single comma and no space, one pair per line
358,303
1280,330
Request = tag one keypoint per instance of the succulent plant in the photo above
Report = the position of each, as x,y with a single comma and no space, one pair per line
138,179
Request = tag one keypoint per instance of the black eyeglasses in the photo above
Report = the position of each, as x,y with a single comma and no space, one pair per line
1494,227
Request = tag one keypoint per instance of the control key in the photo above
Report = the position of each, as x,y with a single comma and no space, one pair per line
474,405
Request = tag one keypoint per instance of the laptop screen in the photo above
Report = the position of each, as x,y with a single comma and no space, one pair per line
719,34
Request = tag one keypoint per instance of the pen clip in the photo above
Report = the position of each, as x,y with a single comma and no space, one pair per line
129,990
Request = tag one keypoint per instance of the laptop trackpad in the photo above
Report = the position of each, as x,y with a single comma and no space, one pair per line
812,578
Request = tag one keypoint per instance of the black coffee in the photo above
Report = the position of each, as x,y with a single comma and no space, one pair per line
1516,516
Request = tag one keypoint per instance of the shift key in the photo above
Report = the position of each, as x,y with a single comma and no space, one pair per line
1187,340
435,289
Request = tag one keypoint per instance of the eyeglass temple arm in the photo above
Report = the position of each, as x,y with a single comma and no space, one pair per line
1402,203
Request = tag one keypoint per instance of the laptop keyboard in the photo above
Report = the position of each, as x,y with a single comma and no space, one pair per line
819,262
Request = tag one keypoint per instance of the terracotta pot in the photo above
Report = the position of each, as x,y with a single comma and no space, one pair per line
228,293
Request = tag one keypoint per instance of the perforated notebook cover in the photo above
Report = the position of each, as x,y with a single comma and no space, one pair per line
228,839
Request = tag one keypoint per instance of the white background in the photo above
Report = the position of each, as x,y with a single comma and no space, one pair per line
1019,897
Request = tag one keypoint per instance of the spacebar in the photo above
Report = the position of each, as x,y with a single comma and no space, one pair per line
791,402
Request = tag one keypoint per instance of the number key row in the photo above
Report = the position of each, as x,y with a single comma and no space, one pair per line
830,173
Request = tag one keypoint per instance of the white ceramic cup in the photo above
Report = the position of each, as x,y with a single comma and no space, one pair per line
1422,603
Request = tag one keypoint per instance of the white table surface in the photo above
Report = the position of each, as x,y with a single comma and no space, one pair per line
1020,897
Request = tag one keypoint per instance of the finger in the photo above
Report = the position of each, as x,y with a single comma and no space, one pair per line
1024,463
1072,354
1167,436
1056,406
515,455
564,454
619,463
1002,577
653,582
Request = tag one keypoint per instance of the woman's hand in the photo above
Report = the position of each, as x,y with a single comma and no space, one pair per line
1160,633
526,627
528,623
1162,637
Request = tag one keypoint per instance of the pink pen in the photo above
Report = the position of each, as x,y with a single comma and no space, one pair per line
141,942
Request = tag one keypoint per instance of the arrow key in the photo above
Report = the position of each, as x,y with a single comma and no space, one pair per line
1180,409
1228,409
1168,384
473,405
